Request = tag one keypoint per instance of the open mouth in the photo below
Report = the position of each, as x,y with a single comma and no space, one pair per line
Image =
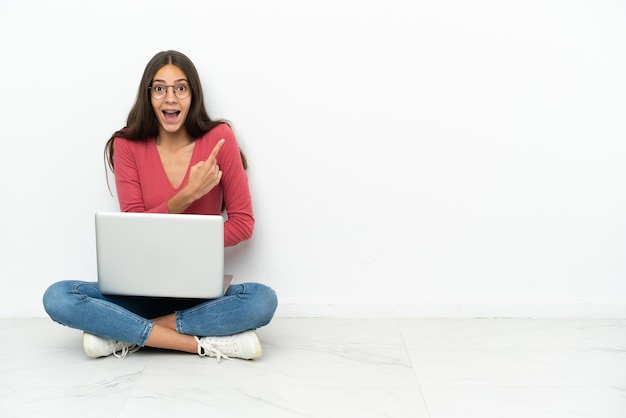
171,115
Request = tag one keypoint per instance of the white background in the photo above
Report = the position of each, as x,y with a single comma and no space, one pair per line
406,157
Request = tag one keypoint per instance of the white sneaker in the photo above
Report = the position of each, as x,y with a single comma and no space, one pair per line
101,347
244,346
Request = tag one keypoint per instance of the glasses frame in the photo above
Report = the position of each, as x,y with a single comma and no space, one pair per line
173,86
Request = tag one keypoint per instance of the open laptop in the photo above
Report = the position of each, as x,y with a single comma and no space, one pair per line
163,255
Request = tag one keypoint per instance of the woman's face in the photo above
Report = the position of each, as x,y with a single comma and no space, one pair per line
171,98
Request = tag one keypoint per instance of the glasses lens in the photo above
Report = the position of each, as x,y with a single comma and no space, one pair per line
182,91
158,91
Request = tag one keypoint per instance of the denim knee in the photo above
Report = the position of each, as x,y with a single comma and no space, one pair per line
266,302
55,299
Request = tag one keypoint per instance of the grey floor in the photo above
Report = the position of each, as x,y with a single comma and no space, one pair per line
331,368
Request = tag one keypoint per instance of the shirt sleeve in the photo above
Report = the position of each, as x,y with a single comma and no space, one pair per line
128,178
240,218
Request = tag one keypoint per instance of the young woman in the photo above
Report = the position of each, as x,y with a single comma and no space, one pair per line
172,158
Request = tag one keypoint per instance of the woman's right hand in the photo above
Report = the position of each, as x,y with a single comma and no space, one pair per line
205,175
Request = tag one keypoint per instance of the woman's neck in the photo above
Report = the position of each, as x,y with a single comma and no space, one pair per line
173,139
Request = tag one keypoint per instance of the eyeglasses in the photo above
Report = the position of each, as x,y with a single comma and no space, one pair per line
159,90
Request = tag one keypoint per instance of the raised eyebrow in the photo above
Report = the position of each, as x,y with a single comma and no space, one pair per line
175,81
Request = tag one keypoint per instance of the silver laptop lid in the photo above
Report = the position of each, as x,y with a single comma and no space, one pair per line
167,255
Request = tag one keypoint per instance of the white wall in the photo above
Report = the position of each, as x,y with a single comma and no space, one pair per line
407,157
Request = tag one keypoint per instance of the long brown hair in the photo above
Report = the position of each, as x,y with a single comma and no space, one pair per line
142,123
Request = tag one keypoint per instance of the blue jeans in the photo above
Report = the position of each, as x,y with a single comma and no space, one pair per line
80,305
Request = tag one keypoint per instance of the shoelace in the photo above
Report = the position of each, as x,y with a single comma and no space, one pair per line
122,350
210,348
213,350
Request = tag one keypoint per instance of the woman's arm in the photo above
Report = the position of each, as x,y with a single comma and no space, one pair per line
238,202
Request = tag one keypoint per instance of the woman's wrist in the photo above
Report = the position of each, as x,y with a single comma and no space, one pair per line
180,201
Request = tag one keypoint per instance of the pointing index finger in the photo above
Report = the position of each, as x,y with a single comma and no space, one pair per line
216,149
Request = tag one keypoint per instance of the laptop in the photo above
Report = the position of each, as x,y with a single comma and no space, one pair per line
160,255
